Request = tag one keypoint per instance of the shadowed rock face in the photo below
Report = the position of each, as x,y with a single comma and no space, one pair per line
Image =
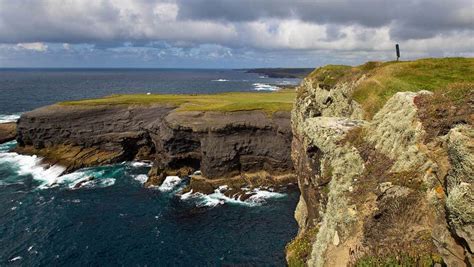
7,132
219,144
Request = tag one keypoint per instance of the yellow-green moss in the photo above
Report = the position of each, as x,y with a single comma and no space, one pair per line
399,260
227,102
298,250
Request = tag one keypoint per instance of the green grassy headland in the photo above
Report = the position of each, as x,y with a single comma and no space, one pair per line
453,76
226,102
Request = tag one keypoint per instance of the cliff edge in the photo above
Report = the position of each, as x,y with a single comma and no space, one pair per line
384,154
235,135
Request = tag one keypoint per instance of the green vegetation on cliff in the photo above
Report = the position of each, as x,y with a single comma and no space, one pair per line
299,249
383,80
399,260
227,102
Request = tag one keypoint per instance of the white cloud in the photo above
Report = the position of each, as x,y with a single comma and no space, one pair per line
166,11
300,35
37,46
226,28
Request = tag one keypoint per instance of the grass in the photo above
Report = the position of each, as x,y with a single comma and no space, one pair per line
386,79
225,102
329,75
449,75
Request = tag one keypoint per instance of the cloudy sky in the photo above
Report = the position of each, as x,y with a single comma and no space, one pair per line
229,33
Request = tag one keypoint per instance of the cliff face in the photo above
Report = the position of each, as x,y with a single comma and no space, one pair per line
393,189
220,144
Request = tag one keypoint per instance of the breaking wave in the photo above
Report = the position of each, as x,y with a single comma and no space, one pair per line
4,118
48,176
105,176
140,164
23,165
170,183
220,80
285,83
141,178
265,87
87,178
217,198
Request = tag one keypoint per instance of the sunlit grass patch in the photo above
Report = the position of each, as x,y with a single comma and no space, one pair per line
384,79
226,102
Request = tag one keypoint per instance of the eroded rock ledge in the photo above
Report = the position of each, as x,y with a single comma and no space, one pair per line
7,132
221,145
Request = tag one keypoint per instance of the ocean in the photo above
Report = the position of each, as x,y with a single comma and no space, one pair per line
113,220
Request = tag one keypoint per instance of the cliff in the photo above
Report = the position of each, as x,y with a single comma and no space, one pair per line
384,155
168,130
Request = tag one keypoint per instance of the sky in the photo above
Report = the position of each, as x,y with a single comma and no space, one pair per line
229,33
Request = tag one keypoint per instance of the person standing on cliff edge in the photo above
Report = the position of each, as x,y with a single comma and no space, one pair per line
397,48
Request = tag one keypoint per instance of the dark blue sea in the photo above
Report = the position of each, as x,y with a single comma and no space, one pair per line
113,220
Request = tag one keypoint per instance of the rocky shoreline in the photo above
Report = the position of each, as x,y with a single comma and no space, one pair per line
241,187
222,145
383,179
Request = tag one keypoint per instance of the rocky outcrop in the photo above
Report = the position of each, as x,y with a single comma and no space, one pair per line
460,183
7,132
221,145
383,191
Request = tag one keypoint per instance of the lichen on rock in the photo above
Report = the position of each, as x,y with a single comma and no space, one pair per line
389,190
460,181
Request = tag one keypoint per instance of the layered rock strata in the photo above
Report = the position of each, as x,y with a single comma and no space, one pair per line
221,145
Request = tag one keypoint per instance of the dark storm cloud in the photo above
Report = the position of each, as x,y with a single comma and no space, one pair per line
31,20
411,18
237,30
313,11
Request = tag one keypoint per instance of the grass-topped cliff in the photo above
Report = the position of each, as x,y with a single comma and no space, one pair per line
451,76
227,102
384,154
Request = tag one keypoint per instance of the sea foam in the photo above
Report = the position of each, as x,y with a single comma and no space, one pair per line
4,118
142,178
265,87
49,176
140,164
170,183
31,165
217,198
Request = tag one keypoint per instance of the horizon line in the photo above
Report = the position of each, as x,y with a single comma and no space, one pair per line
151,68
